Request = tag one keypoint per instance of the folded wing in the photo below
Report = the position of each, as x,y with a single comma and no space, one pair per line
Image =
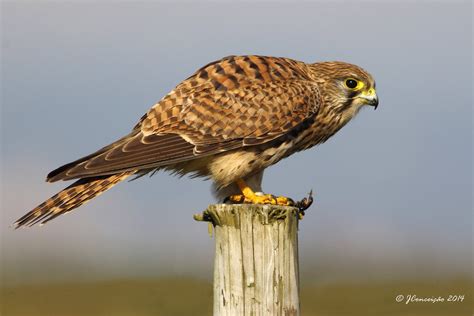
228,104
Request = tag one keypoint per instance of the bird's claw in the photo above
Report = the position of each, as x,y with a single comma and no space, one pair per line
304,204
260,199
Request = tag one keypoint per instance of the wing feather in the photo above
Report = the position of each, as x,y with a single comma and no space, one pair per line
136,153
234,102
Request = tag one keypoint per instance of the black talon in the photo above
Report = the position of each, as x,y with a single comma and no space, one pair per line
305,203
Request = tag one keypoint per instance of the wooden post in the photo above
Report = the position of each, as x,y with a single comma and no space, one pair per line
256,259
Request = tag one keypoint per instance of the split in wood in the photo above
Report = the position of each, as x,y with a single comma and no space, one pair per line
256,258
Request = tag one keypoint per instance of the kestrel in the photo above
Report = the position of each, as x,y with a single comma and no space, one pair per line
228,122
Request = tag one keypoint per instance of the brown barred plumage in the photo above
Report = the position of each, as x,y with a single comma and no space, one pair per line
71,197
230,120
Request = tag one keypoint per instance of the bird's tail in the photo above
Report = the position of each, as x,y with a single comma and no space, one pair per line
71,197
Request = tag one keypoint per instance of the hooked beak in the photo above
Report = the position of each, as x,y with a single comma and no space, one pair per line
370,97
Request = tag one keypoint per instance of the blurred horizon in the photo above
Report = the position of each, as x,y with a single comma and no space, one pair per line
393,188
166,296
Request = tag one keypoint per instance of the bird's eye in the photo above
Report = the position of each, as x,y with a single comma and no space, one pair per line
352,83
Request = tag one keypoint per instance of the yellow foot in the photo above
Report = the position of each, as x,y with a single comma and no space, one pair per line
261,199
248,196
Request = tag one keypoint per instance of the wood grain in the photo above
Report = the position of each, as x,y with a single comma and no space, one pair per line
256,260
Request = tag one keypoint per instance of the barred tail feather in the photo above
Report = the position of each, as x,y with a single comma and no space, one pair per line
71,197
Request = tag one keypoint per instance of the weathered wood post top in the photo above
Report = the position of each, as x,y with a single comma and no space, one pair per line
256,260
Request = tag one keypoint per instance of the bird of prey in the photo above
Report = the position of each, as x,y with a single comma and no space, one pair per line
229,121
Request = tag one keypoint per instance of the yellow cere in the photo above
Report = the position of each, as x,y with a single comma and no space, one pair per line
370,92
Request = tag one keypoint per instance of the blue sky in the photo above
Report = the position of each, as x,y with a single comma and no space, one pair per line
393,188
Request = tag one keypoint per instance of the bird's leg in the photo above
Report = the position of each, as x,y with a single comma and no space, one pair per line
248,196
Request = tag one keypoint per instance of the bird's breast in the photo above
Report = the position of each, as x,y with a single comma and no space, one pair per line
324,125
227,167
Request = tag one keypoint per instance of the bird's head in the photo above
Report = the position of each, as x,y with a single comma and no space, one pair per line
345,87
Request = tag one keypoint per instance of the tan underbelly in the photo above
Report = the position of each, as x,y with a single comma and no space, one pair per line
228,167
